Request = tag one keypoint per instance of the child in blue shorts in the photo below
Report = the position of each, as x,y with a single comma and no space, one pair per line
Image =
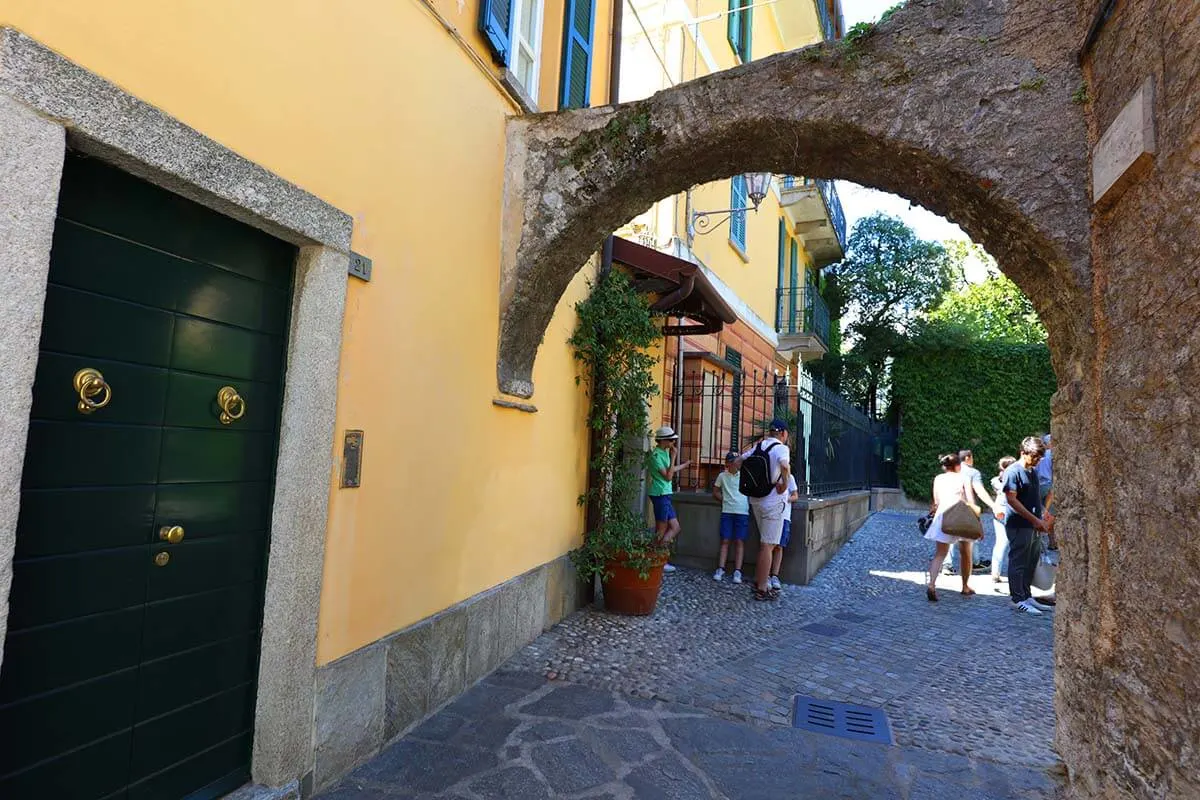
735,518
786,539
663,468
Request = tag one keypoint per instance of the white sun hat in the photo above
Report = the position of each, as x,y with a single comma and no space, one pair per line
665,432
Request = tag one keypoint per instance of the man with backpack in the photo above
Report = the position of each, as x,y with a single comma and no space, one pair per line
764,479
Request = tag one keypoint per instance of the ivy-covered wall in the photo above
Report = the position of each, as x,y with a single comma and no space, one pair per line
980,396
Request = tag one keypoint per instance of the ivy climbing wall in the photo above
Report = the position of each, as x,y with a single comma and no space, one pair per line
984,397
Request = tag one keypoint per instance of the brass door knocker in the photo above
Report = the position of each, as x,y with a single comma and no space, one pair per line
231,404
94,393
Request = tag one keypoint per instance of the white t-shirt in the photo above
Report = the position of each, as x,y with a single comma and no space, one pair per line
779,456
792,487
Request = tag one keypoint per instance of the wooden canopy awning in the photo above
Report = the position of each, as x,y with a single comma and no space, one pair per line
682,286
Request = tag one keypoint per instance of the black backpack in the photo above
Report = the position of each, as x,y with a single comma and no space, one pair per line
755,480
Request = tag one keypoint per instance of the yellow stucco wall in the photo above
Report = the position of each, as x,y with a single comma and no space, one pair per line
376,109
752,274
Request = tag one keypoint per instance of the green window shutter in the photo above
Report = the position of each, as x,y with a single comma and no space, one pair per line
738,27
734,25
783,240
735,414
794,285
577,54
747,53
737,219
495,20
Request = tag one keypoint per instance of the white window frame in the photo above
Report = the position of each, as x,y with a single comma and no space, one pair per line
533,49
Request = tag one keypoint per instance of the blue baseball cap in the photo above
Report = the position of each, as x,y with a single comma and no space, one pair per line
778,425
730,457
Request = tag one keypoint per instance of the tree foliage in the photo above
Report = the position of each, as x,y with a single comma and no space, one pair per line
889,278
994,311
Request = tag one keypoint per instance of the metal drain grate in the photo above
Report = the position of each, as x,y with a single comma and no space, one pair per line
821,629
862,723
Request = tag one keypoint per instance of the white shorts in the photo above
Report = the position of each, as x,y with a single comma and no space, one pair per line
769,514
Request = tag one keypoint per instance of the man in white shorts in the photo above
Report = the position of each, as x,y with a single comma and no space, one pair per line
769,510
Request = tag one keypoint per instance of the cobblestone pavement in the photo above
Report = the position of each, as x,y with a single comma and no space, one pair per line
695,701
517,736
964,675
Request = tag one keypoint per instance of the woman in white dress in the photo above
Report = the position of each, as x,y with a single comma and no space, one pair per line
948,488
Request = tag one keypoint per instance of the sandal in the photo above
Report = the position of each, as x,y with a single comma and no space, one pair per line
930,595
759,594
967,591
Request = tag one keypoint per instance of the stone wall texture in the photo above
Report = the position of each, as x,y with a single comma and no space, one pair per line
1128,644
962,105
983,111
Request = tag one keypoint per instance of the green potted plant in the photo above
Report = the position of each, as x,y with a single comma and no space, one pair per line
616,329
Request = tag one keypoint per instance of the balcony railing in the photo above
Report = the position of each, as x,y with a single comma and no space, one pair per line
833,204
802,311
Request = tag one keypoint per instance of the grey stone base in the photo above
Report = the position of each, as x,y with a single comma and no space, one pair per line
883,499
820,526
377,693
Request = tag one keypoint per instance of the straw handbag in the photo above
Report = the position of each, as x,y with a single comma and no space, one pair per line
962,520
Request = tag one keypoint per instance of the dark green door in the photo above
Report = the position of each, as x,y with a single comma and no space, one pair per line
131,657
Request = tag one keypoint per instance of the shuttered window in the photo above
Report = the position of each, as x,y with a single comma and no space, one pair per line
740,25
495,19
527,44
577,54
513,29
737,220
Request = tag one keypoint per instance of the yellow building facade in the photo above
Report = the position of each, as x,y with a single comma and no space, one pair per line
373,128
252,252
763,258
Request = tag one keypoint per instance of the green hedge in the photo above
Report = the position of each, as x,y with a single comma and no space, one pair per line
980,396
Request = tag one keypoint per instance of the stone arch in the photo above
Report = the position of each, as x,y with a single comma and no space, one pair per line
963,106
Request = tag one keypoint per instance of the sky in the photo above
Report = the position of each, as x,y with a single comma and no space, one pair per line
859,201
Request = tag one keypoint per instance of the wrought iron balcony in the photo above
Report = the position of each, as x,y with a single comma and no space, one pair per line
816,214
833,204
802,321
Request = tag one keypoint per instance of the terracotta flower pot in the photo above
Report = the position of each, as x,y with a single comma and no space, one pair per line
626,592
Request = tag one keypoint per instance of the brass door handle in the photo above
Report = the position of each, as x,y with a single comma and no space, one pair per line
162,559
231,404
94,392
171,533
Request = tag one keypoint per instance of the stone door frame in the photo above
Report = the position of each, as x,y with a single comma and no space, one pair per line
47,104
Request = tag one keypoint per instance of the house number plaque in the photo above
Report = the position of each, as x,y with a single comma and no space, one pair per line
352,460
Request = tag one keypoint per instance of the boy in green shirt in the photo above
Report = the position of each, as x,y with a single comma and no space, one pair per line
663,470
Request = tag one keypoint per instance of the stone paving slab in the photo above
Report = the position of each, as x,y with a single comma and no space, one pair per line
964,675
568,741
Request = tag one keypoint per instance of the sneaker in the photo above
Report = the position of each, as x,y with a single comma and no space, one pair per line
737,576
949,571
1025,607
1039,606
775,584
719,574
668,567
